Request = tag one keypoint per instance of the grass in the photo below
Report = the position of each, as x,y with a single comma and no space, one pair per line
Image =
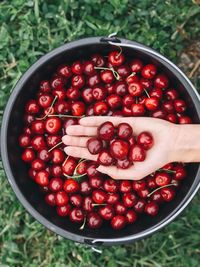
29,29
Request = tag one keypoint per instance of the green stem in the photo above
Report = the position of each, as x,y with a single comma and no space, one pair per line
74,176
157,189
166,170
55,146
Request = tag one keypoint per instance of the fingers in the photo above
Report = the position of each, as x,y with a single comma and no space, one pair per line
78,130
75,141
79,152
98,120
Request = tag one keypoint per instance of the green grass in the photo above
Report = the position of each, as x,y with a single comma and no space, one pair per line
29,29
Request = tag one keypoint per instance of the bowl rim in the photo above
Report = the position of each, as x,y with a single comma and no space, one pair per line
4,150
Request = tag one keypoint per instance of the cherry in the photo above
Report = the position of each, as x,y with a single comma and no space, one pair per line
168,106
37,127
92,169
129,199
99,93
152,103
161,81
116,58
76,215
58,156
139,206
32,173
96,181
28,155
151,183
85,188
151,208
69,166
180,172
93,80
94,145
132,78
78,81
45,86
179,105
105,158
119,149
24,140
131,216
53,140
78,108
128,100
53,125
121,88
71,186
59,93
38,142
149,71
81,167
143,193
171,94
145,140
88,68
28,119
138,109
184,120
172,118
167,194
37,164
123,164
110,186
27,131
136,153
87,95
73,93
139,185
120,208
100,108
118,222
42,178
63,211
124,130
32,107
62,107
123,71
135,89
106,212
161,114
64,71
110,88
125,186
76,200
45,100
98,60
107,76
77,68
156,92
50,199
87,204
57,83
162,178
99,196
90,111
56,170
106,131
114,101
157,197
112,198
136,65
94,221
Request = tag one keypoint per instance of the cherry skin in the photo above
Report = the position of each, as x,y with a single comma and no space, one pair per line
105,158
32,107
172,118
116,58
56,170
24,140
57,83
118,222
106,212
132,78
64,71
156,92
99,93
99,196
42,178
168,106
78,81
143,193
59,93
53,140
37,127
87,204
159,113
184,120
124,131
106,131
45,100
50,199
93,80
135,89
69,166
138,109
94,145
140,205
149,71
180,105
28,119
62,107
152,103
53,125
121,88
58,156
119,149
125,186
128,100
151,208
129,199
112,198
151,183
145,140
157,197
100,108
38,142
167,194
92,169
77,67
131,216
120,208
71,185
123,164
139,185
107,76
73,93
45,86
161,81
37,164
61,198
114,101
87,95
28,155
110,185
123,71
85,188
55,184
63,211
136,65
171,94
137,153
180,172
81,167
88,68
94,221
162,178
76,215
78,108
76,200
96,181
98,60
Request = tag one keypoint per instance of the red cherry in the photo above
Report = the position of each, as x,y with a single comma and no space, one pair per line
110,186
180,172
106,212
160,114
90,111
110,88
94,145
24,140
99,196
53,125
55,184
93,80
57,83
62,107
38,142
37,164
42,178
45,86
94,221
69,166
76,200
120,208
61,198
161,81
151,182
136,65
73,93
27,131
45,100
123,164
32,107
119,149
92,169
162,178
116,58
69,122
105,158
112,198
96,181
123,71
71,186
78,81
168,106
107,76
139,185
28,155
87,204
180,105
37,127
132,78
64,71
156,92
145,140
143,193
151,208
131,216
171,94
152,103
124,130
98,60
50,199
184,120
129,199
121,88
139,206
88,95
88,68
138,109
78,108
28,119
167,193
171,117
59,93
58,156
85,188
106,131
53,140
76,215
118,222
56,170
81,167
99,93
131,140
136,153
32,173
149,71
128,100
114,101
125,186
63,210
100,108
77,67
157,197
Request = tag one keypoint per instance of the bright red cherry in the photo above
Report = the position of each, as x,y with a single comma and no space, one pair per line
93,80
107,76
78,81
151,208
50,199
98,60
152,103
37,127
53,125
137,153
131,216
63,211
37,164
94,221
78,108
62,107
45,100
119,149
138,109
128,100
64,71
116,58
99,93
24,140
77,68
76,200
110,185
149,71
120,208
69,166
99,196
121,88
28,155
106,212
180,105
76,215
73,93
56,170
96,181
184,120
125,186
161,81
55,184
88,95
139,185
57,83
162,178
71,185
118,222
114,101
42,178
88,68
32,107
136,65
145,140
129,199
112,198
100,108
92,169
87,204
167,193
139,206
58,156
38,142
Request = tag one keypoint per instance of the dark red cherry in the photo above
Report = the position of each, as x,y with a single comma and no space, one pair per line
151,208
116,58
180,172
114,101
123,70
63,210
135,89
85,188
55,184
121,88
78,81
156,92
50,199
123,164
88,68
100,108
112,198
87,204
124,130
105,158
145,140
96,181
94,145
93,80
77,68
60,94
167,193
125,186
160,114
107,76
45,100
57,83
168,106
38,142
129,199
136,65
32,107
53,125
139,185
76,215
138,109
81,167
110,185
37,127
139,206
94,221
157,197
69,166
58,156
149,71
69,122
128,100
28,118
90,111
53,140
171,94
45,86
127,112
106,131
62,107
28,155
76,200
118,222
131,216
151,182
64,71
132,78
119,149
56,170
171,117
98,60
92,169
120,208
180,105
99,93
73,93
143,193
161,81
137,153
87,95
106,212
42,178
184,120
24,140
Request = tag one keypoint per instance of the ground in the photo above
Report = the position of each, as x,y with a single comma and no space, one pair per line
29,29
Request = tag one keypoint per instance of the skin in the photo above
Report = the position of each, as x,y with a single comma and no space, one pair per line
172,143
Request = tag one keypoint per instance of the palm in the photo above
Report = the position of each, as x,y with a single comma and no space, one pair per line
158,156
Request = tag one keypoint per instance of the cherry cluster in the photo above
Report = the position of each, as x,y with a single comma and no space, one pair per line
118,146
109,85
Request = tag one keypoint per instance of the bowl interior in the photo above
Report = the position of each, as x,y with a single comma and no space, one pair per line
30,190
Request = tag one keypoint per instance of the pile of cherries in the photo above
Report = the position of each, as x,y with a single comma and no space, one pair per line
118,146
109,85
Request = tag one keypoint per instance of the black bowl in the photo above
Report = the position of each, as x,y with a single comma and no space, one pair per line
16,170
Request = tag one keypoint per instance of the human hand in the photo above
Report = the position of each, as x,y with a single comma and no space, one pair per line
164,134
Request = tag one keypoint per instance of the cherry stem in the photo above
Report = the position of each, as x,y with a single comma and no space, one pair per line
132,74
115,73
75,171
157,189
96,205
55,146
147,93
83,225
74,176
65,116
49,110
120,51
65,160
166,170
